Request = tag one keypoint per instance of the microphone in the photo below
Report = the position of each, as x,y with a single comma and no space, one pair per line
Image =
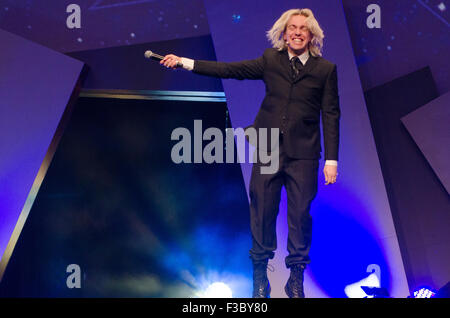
150,55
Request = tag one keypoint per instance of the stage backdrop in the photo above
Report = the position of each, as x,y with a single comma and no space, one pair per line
36,85
353,228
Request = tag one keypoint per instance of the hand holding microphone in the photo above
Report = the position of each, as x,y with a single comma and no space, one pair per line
170,61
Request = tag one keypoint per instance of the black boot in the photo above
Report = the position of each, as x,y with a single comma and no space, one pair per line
294,285
261,286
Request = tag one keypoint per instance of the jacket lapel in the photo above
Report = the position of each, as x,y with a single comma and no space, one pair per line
307,68
285,64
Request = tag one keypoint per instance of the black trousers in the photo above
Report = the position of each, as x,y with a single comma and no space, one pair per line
299,177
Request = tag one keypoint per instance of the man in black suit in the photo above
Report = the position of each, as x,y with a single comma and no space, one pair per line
301,87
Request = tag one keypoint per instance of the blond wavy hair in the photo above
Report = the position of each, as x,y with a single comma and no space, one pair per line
275,34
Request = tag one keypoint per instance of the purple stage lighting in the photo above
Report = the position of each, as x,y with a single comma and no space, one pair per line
423,292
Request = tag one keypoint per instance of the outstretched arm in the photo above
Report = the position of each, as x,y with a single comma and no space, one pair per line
248,69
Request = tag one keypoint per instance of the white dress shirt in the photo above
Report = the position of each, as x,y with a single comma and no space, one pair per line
303,57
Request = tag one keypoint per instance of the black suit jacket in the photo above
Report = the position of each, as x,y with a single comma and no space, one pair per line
292,105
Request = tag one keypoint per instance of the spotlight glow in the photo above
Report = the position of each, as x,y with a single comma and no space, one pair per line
355,291
218,290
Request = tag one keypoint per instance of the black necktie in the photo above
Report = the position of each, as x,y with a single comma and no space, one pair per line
296,65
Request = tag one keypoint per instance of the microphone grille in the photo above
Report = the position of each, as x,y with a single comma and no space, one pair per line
148,54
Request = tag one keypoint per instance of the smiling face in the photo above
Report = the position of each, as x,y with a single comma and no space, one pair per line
297,35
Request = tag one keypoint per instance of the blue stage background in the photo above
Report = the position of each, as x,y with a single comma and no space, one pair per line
357,222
